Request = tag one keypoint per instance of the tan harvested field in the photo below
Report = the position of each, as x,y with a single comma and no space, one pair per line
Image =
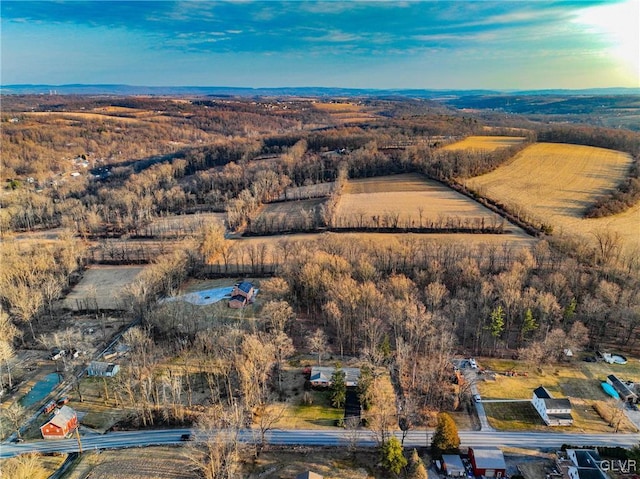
305,192
346,112
181,225
487,143
136,463
417,200
82,116
557,182
335,107
102,284
165,462
291,214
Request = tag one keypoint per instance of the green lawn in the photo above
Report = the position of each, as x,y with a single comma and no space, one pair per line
514,416
320,413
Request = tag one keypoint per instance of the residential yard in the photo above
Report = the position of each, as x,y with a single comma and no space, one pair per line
319,414
514,416
579,381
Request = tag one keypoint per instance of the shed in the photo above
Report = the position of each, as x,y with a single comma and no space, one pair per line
452,464
63,421
625,393
487,461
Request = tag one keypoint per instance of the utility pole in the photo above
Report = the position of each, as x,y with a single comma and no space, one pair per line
78,439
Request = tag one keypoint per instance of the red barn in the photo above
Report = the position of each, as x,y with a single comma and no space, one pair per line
62,423
487,462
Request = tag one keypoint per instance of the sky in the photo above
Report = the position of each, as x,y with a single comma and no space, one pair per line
438,44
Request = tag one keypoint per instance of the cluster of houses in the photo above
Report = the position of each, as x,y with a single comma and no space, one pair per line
582,464
64,420
482,461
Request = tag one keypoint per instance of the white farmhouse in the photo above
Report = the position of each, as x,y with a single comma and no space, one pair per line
554,412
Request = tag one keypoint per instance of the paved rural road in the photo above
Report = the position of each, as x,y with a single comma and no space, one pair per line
333,437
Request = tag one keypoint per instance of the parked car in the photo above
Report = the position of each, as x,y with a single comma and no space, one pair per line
476,398
63,401
50,406
472,363
57,354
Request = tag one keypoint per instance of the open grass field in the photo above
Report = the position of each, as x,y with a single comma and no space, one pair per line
486,143
557,182
415,199
579,381
102,284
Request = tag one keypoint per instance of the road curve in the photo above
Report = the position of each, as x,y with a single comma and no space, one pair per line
329,437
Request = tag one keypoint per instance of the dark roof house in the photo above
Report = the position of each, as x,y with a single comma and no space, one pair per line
242,294
309,475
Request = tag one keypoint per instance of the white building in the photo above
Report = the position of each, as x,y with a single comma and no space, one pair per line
554,412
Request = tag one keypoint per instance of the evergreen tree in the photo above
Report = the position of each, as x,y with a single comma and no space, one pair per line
445,437
417,469
570,310
338,388
392,457
528,323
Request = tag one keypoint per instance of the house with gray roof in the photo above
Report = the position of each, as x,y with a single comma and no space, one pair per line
553,411
585,464
321,376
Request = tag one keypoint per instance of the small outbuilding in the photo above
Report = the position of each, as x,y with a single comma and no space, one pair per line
487,462
63,422
624,391
452,466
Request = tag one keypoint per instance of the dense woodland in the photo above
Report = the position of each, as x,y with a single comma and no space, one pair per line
408,307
